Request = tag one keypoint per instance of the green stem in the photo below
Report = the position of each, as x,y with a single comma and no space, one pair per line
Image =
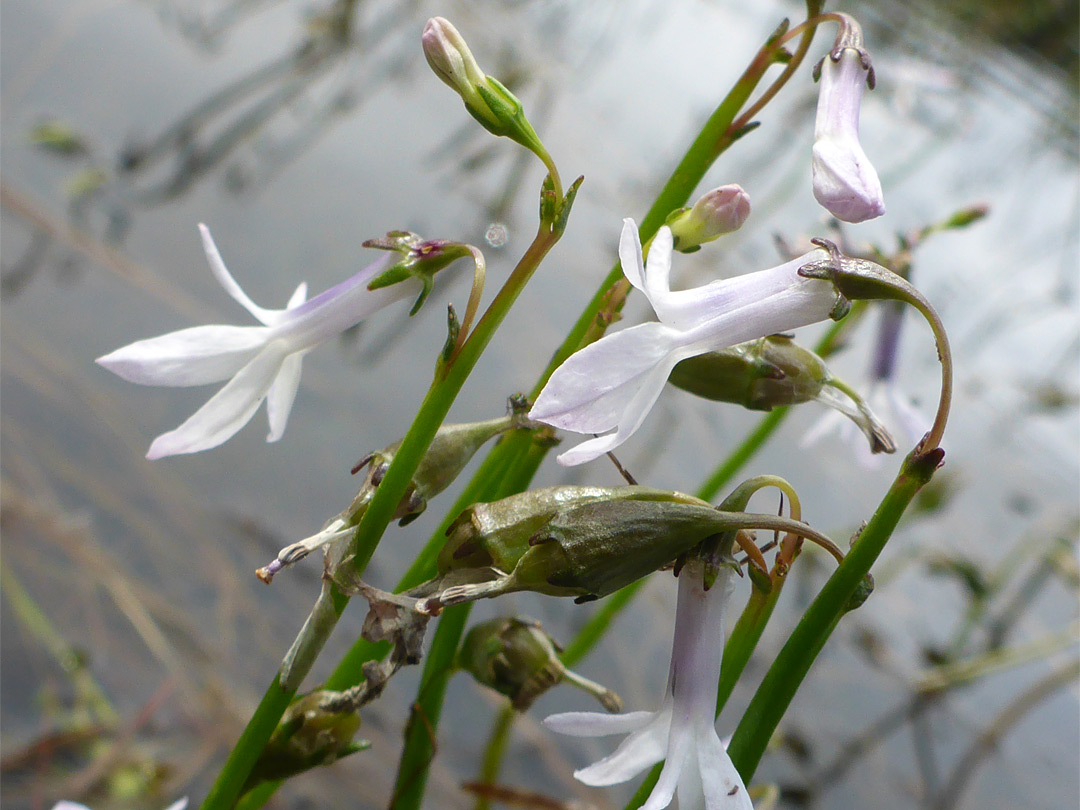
420,733
714,138
776,691
448,382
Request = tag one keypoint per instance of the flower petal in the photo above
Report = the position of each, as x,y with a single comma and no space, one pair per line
658,269
678,750
225,279
227,411
194,356
298,297
844,180
589,392
179,804
595,724
633,265
279,400
721,783
637,752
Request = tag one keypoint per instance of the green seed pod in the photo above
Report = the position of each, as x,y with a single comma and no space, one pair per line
516,658
308,735
589,547
774,371
759,374
497,534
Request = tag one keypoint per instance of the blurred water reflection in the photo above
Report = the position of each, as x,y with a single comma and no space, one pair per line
298,130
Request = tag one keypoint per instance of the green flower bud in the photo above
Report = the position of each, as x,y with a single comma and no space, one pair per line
309,735
774,371
516,658
487,100
716,212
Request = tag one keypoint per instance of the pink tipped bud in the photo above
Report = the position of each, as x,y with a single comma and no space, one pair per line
717,212
845,182
449,56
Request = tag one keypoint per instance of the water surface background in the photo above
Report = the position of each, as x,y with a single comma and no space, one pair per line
294,154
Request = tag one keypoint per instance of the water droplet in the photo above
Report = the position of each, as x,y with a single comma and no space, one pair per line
496,234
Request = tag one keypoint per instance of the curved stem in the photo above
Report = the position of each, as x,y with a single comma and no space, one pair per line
787,672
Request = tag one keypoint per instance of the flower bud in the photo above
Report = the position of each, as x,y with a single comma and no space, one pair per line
310,734
487,100
845,182
516,658
717,212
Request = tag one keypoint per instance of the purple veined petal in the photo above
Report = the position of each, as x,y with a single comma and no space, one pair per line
279,400
228,410
267,317
640,750
344,305
595,724
195,356
590,391
720,782
633,265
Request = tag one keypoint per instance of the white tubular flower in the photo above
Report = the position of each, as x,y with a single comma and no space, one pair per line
263,362
682,732
845,182
614,382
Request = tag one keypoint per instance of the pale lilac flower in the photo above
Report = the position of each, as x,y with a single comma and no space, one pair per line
682,731
260,362
66,805
614,382
845,182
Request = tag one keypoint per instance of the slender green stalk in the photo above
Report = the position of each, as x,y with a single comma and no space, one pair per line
715,137
448,382
784,677
420,733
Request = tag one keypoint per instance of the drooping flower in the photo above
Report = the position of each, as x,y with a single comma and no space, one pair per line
260,362
844,180
614,382
682,731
